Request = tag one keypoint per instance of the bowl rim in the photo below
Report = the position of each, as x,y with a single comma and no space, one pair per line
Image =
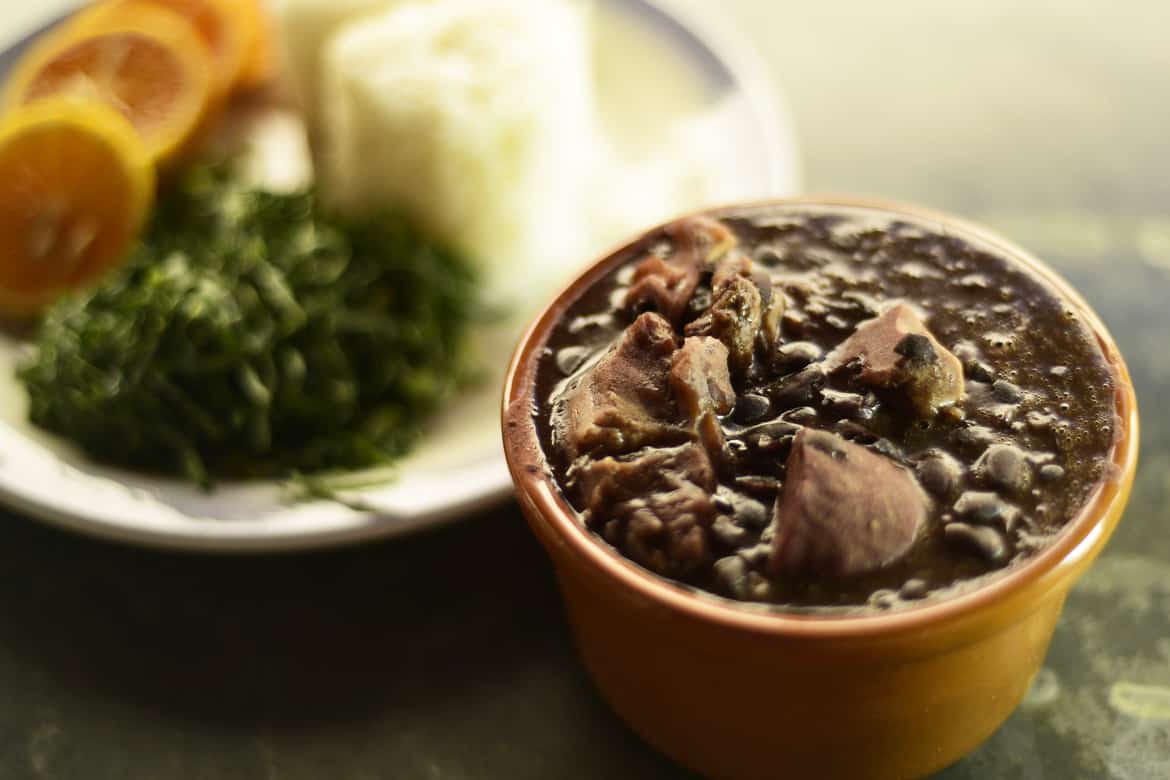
1076,543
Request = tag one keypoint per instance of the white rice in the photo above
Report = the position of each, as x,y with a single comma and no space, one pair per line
480,119
476,117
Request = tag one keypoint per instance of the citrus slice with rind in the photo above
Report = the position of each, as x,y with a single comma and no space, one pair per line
225,27
149,65
260,64
76,184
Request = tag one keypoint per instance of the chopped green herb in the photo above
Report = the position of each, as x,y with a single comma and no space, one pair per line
252,336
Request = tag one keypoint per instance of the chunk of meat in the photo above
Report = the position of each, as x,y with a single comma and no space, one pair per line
623,401
710,434
702,389
734,264
705,237
844,510
737,264
734,318
656,507
663,285
700,379
775,305
667,284
896,350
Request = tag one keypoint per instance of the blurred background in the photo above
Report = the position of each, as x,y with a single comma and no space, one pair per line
445,655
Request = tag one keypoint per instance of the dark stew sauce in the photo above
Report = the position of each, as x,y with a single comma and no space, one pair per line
952,410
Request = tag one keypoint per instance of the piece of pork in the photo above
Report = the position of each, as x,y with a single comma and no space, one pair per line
745,307
624,400
896,350
772,301
656,507
700,378
734,318
733,264
667,284
844,510
702,388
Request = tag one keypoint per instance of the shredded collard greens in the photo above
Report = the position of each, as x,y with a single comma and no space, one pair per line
252,336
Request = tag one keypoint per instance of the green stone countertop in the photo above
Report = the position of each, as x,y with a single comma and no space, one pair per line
446,654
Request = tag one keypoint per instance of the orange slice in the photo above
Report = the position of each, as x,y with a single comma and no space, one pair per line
260,65
150,66
76,184
226,28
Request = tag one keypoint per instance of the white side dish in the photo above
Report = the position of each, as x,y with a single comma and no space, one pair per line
474,116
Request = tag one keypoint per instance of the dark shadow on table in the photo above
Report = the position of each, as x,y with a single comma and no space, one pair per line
455,634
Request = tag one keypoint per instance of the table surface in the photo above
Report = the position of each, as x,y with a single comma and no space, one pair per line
446,655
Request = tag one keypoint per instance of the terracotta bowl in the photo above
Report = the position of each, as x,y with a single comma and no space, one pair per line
736,692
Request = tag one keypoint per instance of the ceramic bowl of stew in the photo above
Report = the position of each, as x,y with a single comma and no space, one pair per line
815,477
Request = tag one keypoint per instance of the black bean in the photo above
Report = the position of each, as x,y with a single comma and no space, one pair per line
756,556
570,359
883,599
913,589
796,354
1005,466
799,389
838,322
587,321
854,432
750,408
974,438
726,531
1050,472
863,302
940,474
794,322
986,514
758,587
916,348
986,509
981,372
751,513
851,405
801,415
769,256
731,575
1006,392
983,540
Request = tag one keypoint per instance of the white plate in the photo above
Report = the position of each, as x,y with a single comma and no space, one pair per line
661,61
